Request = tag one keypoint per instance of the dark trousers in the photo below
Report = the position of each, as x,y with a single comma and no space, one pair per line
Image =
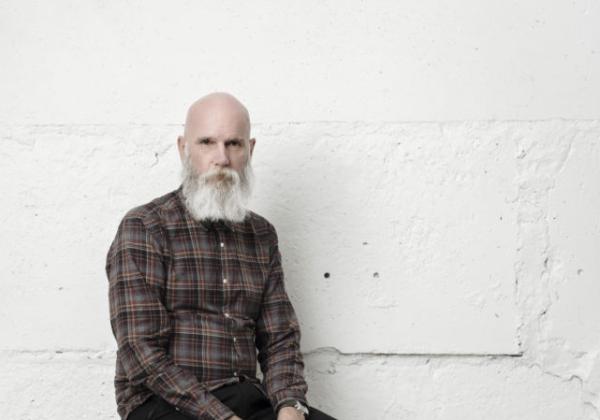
243,398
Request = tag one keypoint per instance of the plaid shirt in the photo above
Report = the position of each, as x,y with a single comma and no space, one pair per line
192,305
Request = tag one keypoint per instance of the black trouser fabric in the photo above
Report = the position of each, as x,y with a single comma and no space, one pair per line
243,398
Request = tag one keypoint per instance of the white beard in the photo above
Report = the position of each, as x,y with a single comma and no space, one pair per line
219,194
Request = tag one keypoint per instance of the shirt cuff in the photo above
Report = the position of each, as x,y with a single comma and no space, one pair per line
284,396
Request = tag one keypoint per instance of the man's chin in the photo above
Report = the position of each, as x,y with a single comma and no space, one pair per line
222,177
222,187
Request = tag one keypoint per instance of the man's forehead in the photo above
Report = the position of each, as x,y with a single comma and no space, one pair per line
202,131
218,120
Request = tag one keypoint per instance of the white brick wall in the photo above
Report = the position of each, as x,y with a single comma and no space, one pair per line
440,161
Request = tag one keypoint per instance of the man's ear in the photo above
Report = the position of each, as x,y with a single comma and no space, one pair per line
181,147
252,142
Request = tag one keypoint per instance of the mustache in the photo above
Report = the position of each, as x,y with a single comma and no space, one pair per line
219,172
225,176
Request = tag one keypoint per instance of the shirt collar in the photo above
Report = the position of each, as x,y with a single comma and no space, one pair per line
207,224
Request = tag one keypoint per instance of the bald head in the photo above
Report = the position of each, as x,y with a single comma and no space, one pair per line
219,110
216,134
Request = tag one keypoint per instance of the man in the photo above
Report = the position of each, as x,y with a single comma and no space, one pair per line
196,290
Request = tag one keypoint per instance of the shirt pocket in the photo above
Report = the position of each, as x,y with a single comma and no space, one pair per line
251,281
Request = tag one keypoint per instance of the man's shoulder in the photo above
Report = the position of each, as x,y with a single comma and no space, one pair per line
150,217
156,211
260,224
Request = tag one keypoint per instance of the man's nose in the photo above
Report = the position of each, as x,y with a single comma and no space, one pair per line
221,156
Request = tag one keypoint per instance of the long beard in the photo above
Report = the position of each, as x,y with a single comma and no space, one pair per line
219,194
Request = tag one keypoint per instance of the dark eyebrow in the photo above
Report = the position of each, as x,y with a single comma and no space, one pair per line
210,138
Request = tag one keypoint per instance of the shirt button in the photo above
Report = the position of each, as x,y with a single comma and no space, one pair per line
177,408
224,281
234,339
226,314
222,245
234,373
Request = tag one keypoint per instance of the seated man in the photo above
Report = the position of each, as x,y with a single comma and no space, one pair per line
196,288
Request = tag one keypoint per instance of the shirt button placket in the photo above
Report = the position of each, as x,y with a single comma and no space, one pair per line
225,313
223,268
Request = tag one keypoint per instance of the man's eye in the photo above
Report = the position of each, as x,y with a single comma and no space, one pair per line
204,141
235,143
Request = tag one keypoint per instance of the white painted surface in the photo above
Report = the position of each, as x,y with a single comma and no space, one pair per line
440,163
143,61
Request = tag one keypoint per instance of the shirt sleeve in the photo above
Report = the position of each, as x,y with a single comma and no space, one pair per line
278,339
141,324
